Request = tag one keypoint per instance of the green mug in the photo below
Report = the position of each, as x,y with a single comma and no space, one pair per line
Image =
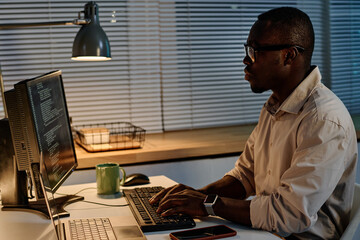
108,178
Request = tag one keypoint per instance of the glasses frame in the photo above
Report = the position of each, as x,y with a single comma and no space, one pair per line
250,51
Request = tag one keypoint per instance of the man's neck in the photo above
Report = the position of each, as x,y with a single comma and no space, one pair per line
284,92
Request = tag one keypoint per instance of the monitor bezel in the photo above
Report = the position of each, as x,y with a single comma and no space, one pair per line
30,82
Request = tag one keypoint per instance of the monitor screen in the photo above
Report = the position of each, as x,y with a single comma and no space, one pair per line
52,128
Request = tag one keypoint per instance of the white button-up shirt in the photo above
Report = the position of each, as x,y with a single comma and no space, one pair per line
300,163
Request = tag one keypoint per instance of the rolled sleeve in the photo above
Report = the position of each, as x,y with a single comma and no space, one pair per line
276,214
244,166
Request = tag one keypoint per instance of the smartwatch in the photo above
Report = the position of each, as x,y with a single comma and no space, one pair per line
209,202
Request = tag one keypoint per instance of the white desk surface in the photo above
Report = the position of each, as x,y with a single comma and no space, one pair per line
16,225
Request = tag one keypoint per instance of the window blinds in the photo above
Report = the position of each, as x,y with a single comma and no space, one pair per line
124,89
176,64
203,81
345,52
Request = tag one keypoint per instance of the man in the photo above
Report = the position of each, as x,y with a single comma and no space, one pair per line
299,162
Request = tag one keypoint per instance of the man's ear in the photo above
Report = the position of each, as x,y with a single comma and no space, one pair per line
290,55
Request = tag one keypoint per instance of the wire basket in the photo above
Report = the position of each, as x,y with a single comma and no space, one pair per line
109,136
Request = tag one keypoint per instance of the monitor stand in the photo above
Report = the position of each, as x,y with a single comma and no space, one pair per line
13,183
40,207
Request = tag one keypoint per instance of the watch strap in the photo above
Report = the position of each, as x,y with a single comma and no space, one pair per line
210,210
209,205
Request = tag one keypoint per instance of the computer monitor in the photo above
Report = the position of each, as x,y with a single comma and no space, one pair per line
40,128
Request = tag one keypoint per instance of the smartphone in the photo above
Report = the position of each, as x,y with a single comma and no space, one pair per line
213,232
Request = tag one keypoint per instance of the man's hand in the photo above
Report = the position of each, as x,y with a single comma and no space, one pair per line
180,199
187,201
183,199
176,188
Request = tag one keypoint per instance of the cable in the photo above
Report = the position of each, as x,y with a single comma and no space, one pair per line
29,184
78,191
84,190
102,204
108,205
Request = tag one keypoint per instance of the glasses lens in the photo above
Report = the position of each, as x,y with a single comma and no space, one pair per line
250,52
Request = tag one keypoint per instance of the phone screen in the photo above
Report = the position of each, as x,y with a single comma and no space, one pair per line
207,232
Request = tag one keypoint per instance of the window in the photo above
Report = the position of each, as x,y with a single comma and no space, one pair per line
345,52
176,64
203,81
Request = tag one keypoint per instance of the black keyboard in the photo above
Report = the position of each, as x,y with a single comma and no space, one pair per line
146,215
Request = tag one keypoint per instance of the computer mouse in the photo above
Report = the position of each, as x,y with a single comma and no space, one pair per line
136,179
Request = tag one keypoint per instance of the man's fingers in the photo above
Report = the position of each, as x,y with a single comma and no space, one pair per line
177,188
170,203
158,196
172,211
182,204
166,192
170,193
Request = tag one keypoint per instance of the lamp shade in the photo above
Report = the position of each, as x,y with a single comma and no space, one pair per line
91,42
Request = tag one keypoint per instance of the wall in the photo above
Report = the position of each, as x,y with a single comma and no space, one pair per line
195,173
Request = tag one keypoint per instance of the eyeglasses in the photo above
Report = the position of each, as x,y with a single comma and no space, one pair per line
250,51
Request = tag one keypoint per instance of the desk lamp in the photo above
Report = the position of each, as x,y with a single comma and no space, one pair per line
90,43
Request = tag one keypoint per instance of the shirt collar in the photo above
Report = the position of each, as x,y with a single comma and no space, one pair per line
296,100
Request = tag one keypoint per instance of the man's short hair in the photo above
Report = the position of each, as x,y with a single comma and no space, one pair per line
294,26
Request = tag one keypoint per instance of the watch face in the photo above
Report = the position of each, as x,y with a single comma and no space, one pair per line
210,198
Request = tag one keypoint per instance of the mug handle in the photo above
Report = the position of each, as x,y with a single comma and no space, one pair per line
122,181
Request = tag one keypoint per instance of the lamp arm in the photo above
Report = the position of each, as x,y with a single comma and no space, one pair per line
78,21
44,24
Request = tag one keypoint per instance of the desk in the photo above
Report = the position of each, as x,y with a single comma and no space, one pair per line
174,145
23,225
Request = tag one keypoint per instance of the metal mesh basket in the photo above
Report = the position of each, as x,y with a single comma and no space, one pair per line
109,136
